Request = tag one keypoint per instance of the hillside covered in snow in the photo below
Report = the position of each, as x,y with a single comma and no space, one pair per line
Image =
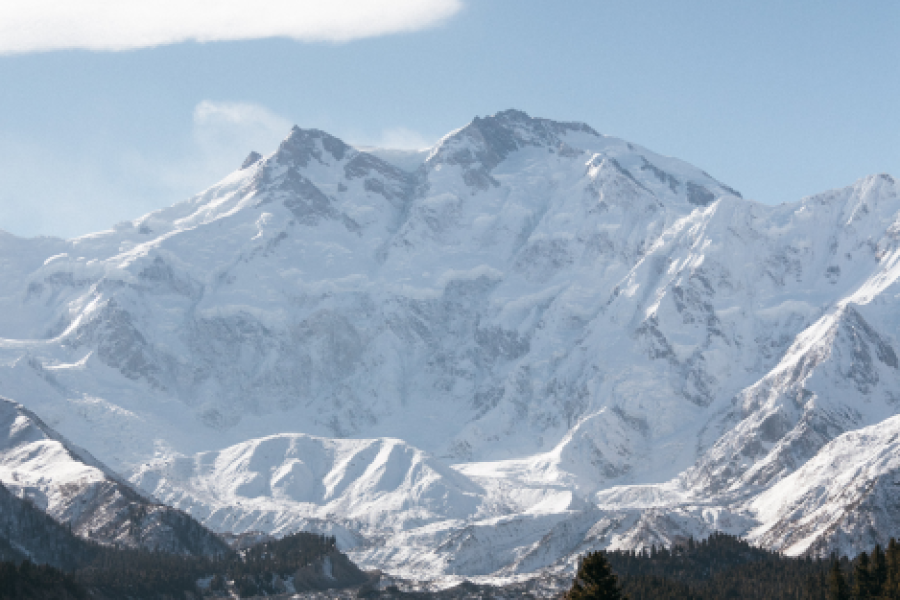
54,477
486,358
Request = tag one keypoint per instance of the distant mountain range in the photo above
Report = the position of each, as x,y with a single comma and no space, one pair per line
481,359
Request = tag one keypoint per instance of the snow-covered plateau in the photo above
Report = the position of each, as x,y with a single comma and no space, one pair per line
483,359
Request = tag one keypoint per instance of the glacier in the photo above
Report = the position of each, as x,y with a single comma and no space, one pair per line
480,359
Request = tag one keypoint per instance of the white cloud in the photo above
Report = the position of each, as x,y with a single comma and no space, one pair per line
402,138
52,191
41,25
222,135
392,138
238,126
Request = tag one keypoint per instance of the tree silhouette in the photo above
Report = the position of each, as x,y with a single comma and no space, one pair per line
891,588
863,583
595,580
878,571
837,585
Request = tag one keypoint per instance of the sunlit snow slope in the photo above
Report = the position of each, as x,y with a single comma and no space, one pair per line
528,341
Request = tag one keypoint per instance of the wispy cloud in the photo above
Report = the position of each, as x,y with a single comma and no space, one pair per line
42,25
221,136
402,138
46,191
237,127
391,138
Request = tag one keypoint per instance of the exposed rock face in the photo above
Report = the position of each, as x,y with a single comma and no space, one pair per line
610,347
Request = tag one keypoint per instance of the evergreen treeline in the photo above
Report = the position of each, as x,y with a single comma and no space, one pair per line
258,566
721,566
874,576
725,566
27,580
140,574
127,573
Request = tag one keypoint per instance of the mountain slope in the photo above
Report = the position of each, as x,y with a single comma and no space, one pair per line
26,532
69,485
842,499
553,340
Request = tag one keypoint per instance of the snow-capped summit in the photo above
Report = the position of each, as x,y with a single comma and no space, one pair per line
486,142
561,340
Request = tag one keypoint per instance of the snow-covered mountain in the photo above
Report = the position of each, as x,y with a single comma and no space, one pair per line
283,483
843,498
528,341
69,485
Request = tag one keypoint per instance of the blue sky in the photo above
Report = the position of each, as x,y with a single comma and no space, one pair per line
777,99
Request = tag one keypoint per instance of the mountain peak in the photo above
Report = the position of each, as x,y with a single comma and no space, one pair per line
512,129
303,144
487,141
512,117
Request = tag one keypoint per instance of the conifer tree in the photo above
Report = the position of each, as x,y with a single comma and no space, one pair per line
595,580
878,570
837,585
862,578
891,589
